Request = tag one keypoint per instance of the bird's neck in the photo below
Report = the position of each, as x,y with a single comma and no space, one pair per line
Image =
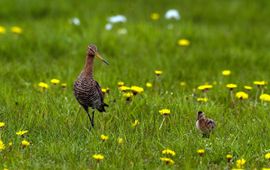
200,116
88,67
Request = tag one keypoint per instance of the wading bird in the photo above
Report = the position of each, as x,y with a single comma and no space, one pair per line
86,90
204,124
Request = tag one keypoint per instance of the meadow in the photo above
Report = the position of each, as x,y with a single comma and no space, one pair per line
40,41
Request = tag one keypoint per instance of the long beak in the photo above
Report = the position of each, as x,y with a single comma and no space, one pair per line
102,59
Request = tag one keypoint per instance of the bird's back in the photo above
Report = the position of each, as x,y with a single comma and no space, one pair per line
205,125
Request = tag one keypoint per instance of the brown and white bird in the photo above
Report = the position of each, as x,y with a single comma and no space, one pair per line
86,90
204,124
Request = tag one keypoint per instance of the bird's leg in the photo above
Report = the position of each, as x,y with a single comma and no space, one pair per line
92,120
89,118
86,109
206,135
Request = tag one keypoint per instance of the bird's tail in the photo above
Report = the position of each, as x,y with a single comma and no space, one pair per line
102,107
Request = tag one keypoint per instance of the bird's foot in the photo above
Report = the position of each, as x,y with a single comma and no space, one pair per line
206,135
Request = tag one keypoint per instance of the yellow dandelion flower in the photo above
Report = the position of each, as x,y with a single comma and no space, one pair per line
16,30
201,152
240,163
226,72
64,85
124,88
2,124
164,112
229,157
241,95
55,81
25,143
205,87
2,30
135,123
155,16
128,94
182,83
149,85
10,144
265,97
201,87
208,86
43,85
120,140
120,83
168,161
202,99
183,42
98,157
21,132
158,72
105,90
231,86
265,168
267,156
168,152
104,137
260,83
136,89
2,145
248,87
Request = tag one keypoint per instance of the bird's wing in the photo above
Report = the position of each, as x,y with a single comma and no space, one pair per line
99,91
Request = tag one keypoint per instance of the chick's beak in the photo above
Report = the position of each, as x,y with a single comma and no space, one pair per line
102,59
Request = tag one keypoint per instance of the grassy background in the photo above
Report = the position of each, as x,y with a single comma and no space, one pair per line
224,35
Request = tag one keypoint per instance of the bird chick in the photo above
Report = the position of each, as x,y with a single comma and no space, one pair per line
204,124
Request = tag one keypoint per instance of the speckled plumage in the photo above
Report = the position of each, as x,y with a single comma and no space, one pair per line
204,124
86,90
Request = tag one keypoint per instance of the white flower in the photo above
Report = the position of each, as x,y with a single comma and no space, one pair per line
108,26
172,14
122,31
117,18
75,21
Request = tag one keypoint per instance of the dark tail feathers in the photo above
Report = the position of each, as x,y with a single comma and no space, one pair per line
102,107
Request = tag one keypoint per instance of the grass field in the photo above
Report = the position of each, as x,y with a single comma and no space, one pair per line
223,35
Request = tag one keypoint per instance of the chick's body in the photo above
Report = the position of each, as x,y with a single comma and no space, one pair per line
204,124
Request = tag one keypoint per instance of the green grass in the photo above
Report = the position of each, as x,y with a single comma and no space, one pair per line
223,34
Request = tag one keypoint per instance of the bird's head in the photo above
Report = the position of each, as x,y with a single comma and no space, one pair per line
200,114
92,49
92,52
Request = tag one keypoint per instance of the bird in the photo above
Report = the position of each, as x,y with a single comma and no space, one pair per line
86,90
204,124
